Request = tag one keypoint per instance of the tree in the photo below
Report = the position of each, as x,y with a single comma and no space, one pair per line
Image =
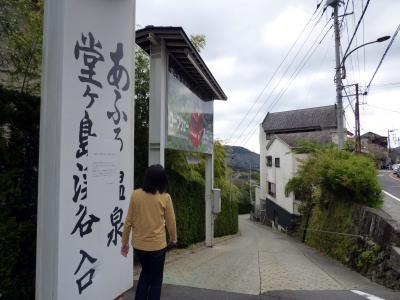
330,175
19,153
142,98
198,41
21,30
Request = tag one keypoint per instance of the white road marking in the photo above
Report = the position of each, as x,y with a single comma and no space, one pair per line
366,295
390,195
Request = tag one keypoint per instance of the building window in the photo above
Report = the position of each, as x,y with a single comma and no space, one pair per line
271,189
277,162
269,161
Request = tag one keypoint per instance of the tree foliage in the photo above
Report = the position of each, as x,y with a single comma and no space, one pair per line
333,175
198,41
19,152
21,31
142,98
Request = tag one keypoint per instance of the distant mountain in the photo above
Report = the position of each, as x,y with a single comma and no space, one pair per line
240,158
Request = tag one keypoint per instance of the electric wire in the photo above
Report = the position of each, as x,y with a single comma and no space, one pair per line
347,122
299,68
385,85
321,64
282,76
276,70
356,29
344,14
363,38
356,44
348,99
383,56
382,108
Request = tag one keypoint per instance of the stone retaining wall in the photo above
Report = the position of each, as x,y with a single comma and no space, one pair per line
382,230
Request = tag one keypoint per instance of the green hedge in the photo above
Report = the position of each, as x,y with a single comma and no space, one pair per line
19,144
189,205
227,221
351,250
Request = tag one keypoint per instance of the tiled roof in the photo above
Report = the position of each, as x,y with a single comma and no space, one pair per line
309,119
292,139
372,135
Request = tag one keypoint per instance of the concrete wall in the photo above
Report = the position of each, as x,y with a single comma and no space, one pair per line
281,175
278,175
289,165
263,165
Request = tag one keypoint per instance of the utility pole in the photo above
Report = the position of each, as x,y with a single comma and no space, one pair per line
357,118
338,75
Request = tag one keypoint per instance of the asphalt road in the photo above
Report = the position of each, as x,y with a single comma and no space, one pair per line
262,263
391,189
176,292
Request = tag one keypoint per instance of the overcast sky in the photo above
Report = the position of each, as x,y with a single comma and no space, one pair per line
248,39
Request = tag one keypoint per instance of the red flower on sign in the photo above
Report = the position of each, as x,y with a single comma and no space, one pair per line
196,129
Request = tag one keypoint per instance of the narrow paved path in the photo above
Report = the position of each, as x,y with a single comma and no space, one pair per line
261,260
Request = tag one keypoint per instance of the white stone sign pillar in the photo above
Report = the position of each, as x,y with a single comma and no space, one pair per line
86,149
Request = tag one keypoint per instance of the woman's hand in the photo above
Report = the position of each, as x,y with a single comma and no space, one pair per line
171,244
124,250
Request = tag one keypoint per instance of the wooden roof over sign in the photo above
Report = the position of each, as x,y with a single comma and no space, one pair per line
183,54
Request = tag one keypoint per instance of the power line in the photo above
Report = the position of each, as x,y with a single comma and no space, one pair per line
363,36
384,55
385,85
357,64
321,63
344,14
276,70
355,30
347,121
378,107
348,99
282,76
299,68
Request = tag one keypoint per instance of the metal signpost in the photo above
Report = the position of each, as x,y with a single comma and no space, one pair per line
86,149
182,90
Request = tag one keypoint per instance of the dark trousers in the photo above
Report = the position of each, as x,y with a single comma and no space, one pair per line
151,276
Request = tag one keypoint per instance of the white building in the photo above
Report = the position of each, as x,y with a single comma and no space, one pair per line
279,133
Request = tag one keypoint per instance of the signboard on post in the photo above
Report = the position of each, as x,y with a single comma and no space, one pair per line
190,119
86,149
182,90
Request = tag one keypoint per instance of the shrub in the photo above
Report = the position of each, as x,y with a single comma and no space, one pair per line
333,175
19,145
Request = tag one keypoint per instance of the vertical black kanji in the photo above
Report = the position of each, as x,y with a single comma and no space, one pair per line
116,222
83,282
84,226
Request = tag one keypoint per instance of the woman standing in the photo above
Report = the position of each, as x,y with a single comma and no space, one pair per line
150,211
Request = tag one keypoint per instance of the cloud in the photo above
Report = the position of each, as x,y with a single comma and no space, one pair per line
284,29
247,40
223,67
